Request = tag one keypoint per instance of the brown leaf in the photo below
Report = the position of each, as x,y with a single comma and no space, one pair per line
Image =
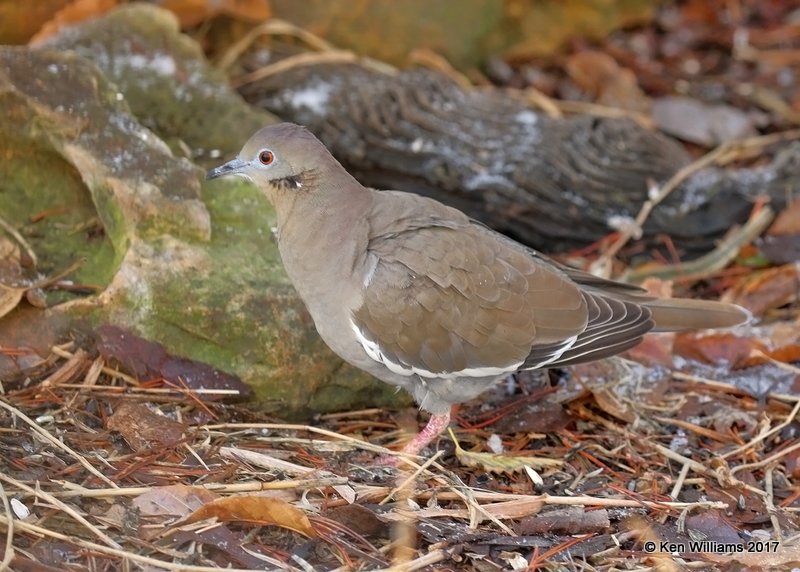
10,271
788,220
76,11
174,500
598,73
149,360
655,349
359,519
142,429
713,525
766,290
234,545
717,349
256,509
784,354
9,299
608,401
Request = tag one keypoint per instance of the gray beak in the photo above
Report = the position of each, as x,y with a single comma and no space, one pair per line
232,167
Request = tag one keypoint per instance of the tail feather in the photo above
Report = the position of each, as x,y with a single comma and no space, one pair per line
677,314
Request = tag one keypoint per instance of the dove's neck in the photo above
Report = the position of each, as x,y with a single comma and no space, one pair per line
323,234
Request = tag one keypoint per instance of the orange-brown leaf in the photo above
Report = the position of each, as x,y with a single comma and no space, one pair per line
784,354
75,12
788,221
256,509
766,290
718,349
142,429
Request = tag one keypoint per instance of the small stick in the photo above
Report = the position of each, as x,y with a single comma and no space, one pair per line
273,27
124,554
411,477
56,443
769,501
755,440
679,482
9,555
62,506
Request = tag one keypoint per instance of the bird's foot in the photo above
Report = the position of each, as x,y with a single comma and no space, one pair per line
436,424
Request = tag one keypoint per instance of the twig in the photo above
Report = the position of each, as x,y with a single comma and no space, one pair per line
541,100
222,488
56,443
769,501
310,59
759,438
768,460
431,60
532,500
103,549
63,507
265,461
18,237
272,27
777,363
729,387
411,477
600,110
422,562
9,553
713,261
720,476
61,352
676,489
309,428
350,414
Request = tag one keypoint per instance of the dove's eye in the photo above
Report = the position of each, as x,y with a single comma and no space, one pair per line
266,156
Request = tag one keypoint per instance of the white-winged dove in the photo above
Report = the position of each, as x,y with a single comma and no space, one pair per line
423,297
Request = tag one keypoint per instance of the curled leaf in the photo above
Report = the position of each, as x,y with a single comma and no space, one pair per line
258,509
492,463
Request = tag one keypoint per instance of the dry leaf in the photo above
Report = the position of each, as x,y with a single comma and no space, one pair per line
175,501
788,220
715,349
784,354
77,11
257,509
609,402
599,74
149,360
10,271
766,290
492,463
9,298
142,429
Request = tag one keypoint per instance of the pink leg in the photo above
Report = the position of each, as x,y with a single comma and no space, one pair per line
436,424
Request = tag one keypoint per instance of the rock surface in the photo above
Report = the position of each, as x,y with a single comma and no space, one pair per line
194,268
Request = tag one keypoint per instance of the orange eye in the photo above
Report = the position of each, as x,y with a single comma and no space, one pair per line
266,157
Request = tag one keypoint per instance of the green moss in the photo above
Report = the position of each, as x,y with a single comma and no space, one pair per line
44,198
